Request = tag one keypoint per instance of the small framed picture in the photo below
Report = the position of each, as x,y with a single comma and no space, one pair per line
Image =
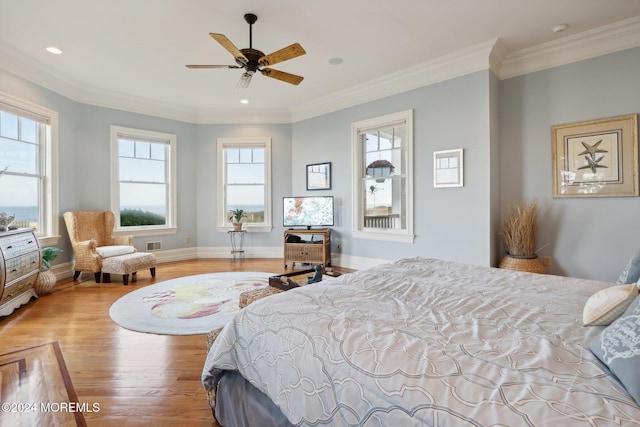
448,168
319,176
596,158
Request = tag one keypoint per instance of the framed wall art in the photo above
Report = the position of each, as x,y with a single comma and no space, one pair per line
319,176
448,168
596,158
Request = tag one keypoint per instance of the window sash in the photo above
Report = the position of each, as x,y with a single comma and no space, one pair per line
383,208
43,173
240,188
134,150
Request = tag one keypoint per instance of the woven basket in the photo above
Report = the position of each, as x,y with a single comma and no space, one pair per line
44,283
531,264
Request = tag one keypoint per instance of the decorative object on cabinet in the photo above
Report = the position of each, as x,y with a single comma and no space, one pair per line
596,158
520,230
5,221
19,268
311,251
448,168
319,176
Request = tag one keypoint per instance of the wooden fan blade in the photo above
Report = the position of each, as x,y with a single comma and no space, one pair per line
212,66
226,43
281,75
284,54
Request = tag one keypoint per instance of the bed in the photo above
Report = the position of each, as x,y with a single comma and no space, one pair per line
419,342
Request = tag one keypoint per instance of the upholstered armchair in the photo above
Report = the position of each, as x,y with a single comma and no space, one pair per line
92,240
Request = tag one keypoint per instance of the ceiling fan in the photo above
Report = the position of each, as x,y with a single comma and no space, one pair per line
252,60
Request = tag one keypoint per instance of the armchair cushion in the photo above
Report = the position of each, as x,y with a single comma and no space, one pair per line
109,251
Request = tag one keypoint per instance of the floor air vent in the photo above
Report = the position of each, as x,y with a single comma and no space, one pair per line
154,246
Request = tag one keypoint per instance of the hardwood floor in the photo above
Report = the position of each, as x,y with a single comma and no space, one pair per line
137,379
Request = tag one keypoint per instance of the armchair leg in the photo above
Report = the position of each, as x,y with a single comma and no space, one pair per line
76,274
97,276
125,279
153,271
106,277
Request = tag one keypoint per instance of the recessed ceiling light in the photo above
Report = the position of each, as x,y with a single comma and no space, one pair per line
335,61
244,101
54,50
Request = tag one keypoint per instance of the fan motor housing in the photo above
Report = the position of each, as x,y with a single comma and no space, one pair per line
253,55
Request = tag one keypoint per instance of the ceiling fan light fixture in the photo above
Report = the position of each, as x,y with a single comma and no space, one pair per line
245,79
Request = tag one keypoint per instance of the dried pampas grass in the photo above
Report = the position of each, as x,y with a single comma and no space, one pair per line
520,228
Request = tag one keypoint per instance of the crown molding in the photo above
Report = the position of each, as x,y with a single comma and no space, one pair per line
600,41
449,66
28,69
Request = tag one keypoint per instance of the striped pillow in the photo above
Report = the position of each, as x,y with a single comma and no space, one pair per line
607,305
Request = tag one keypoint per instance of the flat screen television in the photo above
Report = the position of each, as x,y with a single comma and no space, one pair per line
307,211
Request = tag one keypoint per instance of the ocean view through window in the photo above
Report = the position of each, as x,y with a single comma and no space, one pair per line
28,183
244,177
143,179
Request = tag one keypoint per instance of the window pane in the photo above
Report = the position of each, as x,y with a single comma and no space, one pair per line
125,148
142,204
141,170
233,155
245,173
19,196
246,155
28,129
250,198
158,151
8,125
258,155
20,157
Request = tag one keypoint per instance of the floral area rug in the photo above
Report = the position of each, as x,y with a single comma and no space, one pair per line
187,305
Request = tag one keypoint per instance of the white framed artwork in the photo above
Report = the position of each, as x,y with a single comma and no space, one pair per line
448,168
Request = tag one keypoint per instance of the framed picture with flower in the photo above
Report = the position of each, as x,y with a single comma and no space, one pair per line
319,176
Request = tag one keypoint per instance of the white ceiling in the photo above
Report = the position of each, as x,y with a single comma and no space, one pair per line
131,54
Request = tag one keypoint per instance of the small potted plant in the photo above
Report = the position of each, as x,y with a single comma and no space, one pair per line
46,279
236,217
379,168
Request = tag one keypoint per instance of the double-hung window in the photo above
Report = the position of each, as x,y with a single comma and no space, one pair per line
143,195
244,182
383,177
28,162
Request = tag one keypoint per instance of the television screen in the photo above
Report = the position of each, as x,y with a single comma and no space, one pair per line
308,211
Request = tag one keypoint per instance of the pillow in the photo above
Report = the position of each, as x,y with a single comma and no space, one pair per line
631,273
618,347
607,305
115,250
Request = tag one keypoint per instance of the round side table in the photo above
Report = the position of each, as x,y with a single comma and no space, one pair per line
237,244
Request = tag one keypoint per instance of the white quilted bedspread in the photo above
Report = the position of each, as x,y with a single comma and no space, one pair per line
427,342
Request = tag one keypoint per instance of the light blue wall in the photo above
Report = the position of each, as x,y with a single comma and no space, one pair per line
586,237
450,223
206,177
504,127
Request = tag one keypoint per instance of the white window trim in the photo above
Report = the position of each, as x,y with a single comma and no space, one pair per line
172,221
223,223
358,231
49,235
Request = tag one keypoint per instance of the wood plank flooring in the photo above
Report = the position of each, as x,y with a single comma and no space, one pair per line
136,379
